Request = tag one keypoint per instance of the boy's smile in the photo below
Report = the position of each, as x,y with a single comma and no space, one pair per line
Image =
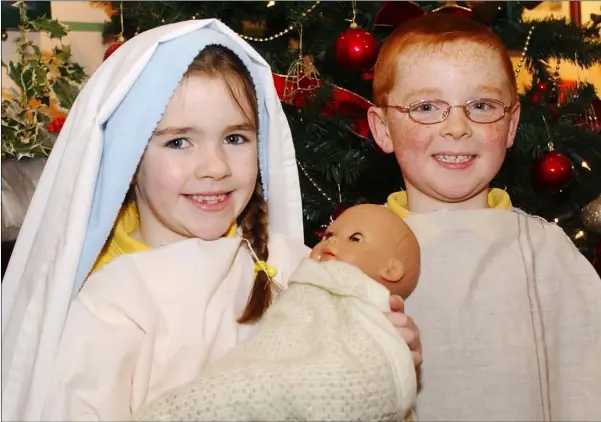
452,161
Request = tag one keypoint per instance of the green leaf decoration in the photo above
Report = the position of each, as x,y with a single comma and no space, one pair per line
52,27
65,92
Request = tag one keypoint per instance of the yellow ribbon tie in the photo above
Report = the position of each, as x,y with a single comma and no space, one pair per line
268,269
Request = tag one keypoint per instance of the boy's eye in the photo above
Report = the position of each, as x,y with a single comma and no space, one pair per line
424,107
178,143
235,139
356,237
482,105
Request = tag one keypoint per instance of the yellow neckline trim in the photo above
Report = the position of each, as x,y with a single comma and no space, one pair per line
497,199
120,242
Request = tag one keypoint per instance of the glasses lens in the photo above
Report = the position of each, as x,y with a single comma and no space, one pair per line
429,111
485,110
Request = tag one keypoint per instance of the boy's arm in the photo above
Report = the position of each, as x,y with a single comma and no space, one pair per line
97,357
572,318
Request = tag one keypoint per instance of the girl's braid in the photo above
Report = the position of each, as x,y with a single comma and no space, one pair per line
255,230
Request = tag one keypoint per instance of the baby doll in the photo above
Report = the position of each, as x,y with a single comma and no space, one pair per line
325,350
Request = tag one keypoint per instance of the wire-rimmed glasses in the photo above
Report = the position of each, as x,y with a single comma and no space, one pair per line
428,112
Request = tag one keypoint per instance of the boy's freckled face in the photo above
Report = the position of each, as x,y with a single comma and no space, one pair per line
456,73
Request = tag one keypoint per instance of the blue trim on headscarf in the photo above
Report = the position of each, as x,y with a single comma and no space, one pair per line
127,131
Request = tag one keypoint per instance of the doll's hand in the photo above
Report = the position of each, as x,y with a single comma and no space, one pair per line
406,328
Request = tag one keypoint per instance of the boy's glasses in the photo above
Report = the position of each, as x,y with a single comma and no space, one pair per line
428,112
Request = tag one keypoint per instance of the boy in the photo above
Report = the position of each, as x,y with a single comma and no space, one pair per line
509,311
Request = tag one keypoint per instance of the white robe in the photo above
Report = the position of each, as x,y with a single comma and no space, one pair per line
324,352
150,321
510,319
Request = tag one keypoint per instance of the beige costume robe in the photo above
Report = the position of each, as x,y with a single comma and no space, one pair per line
151,321
510,319
324,352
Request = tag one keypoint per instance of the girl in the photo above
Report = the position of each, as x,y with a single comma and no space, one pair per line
184,122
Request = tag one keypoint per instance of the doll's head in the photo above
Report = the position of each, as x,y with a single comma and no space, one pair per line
378,242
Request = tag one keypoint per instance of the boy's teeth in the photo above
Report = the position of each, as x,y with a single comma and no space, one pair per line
209,199
454,158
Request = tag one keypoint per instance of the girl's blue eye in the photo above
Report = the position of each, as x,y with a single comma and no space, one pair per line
178,143
235,139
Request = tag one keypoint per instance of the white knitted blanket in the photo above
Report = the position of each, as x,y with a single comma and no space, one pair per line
324,352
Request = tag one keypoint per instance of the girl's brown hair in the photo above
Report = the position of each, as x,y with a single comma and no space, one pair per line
220,62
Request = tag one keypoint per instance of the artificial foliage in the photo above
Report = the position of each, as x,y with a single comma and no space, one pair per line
337,166
46,85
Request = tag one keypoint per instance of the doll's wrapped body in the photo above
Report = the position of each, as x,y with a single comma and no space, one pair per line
324,350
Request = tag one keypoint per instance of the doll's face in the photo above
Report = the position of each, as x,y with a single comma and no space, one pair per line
200,168
375,240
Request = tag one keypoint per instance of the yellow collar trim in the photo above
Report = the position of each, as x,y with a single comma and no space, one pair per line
120,242
497,199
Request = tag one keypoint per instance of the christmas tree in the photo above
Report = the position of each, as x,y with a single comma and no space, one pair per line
322,55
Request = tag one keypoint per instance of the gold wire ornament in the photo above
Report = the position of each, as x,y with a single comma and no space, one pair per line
302,75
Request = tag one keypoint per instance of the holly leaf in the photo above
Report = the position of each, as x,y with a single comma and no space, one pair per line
35,78
62,53
14,72
26,81
65,92
52,27
42,118
72,71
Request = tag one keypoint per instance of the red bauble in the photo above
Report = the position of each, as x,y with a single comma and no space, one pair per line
552,172
542,87
536,98
356,49
396,13
112,48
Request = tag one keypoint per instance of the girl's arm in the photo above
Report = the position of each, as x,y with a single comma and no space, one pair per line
97,356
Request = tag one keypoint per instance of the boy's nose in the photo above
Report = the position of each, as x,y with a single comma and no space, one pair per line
456,125
214,164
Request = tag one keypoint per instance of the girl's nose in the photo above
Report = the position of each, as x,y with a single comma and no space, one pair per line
214,164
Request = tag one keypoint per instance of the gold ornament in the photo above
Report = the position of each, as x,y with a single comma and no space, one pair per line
302,76
591,215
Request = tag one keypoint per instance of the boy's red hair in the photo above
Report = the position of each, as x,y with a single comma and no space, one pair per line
433,30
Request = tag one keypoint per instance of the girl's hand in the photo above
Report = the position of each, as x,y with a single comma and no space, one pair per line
406,328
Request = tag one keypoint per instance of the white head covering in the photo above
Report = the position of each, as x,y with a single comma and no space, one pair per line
87,176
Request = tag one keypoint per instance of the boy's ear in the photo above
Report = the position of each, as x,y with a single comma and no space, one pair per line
376,117
513,125
393,271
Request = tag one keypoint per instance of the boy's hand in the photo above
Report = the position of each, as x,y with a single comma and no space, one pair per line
406,328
